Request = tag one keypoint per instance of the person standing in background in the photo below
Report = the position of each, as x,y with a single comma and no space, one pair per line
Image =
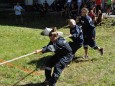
18,13
98,5
108,2
79,4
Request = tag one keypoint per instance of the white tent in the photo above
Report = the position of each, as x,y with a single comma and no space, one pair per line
49,1
30,2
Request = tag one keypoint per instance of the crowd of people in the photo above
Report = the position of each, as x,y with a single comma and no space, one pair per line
72,8
96,8
82,17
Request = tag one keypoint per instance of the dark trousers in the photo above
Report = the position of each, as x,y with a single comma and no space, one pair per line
98,7
59,63
75,46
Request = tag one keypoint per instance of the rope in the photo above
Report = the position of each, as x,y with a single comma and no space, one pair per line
23,56
67,37
17,58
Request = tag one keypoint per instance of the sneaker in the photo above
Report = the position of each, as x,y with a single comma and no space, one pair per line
101,51
85,57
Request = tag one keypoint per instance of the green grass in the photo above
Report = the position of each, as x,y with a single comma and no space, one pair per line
22,39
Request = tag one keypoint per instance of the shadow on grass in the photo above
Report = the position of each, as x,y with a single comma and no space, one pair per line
79,60
33,20
15,84
40,64
31,84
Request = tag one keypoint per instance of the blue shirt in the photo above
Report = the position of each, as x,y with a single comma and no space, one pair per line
61,47
88,26
77,34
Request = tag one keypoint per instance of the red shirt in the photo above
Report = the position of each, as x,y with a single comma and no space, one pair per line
92,15
98,2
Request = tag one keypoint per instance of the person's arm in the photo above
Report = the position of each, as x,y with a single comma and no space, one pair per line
77,32
14,8
91,27
22,8
70,35
48,48
38,51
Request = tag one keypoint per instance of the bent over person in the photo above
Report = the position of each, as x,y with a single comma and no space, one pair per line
89,32
76,35
62,57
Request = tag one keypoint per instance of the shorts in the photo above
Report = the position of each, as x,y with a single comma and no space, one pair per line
89,42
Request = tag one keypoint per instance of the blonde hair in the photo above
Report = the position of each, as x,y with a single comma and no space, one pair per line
87,11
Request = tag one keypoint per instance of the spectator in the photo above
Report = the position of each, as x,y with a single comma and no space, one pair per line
113,7
98,5
46,5
92,15
36,6
99,18
90,4
79,4
103,5
18,13
108,2
68,7
69,3
73,11
42,10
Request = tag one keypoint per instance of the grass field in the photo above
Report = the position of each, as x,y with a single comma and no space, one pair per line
18,40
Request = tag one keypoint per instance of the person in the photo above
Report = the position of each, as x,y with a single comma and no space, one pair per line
68,9
18,13
36,6
79,4
92,15
68,2
108,2
99,18
98,5
76,35
46,5
62,57
73,11
89,32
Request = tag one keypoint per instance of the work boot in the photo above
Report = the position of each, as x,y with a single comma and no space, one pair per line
101,51
52,84
45,83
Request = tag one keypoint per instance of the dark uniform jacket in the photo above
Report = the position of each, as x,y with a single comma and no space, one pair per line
77,34
60,47
88,26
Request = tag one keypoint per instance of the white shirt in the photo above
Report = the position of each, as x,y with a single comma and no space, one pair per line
79,0
69,0
18,10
